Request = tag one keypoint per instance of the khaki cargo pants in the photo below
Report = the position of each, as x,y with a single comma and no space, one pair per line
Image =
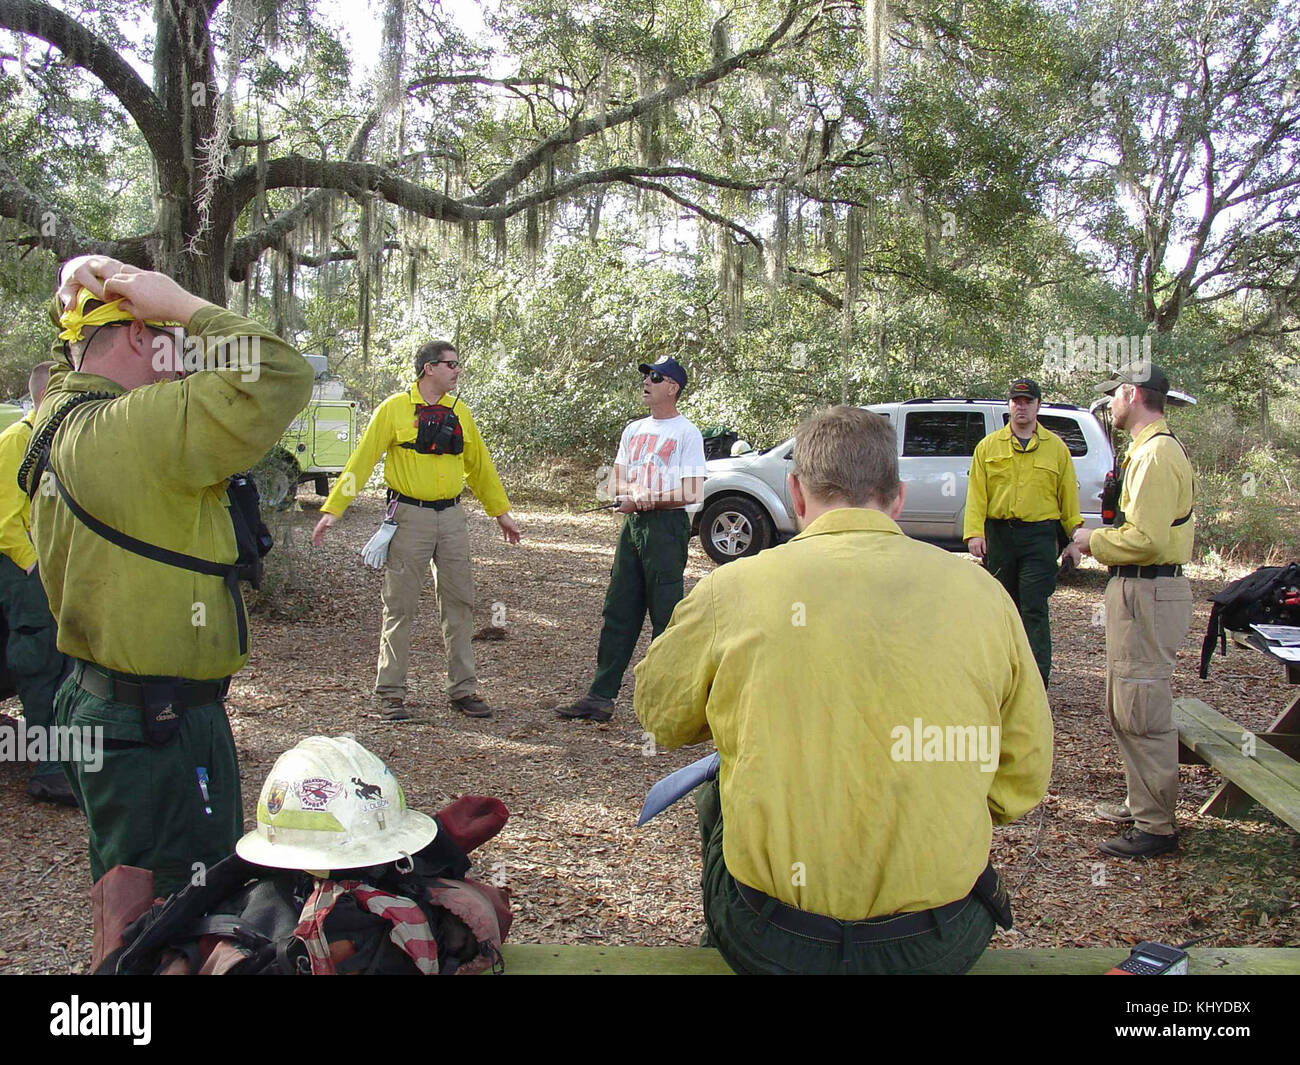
1146,623
438,540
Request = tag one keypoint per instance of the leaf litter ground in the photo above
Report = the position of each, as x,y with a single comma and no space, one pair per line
578,869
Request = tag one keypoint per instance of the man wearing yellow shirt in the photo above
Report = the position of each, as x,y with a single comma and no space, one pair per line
31,651
134,494
1148,609
433,449
1021,493
869,738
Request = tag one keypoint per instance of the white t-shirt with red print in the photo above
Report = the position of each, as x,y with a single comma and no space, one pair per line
660,453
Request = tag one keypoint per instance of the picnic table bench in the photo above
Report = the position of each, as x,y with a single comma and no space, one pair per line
537,959
1257,767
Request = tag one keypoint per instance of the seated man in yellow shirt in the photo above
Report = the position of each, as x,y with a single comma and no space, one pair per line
876,708
433,448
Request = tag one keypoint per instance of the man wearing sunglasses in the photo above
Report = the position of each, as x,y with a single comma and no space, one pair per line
433,449
658,472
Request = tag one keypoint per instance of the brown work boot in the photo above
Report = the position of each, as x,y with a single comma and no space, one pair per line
591,707
1134,843
391,707
472,706
1114,811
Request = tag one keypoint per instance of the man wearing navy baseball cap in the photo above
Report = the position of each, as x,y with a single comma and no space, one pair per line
658,472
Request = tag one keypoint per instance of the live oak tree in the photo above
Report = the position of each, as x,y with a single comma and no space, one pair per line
1196,138
244,162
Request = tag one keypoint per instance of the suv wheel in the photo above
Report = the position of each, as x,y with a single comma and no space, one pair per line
734,527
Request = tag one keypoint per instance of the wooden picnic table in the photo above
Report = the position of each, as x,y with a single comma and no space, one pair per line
1284,732
1261,767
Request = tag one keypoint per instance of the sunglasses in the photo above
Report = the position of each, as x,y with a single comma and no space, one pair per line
656,378
452,363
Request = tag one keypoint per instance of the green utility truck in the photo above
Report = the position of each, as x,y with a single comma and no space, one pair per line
315,447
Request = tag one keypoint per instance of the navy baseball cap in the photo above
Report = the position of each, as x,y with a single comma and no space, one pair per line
669,368
1023,386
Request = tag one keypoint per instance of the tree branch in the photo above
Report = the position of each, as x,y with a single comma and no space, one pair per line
35,19
690,205
52,229
496,189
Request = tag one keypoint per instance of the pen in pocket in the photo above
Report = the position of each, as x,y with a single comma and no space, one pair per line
202,774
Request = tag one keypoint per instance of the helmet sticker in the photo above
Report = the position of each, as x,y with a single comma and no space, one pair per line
275,797
371,794
316,793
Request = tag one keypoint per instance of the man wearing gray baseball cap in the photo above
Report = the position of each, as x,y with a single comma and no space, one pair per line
1148,609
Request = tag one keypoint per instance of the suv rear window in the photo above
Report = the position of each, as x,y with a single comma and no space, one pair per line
937,433
1066,428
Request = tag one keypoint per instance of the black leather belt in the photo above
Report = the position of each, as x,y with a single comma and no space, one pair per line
1016,523
427,504
173,691
1146,572
831,930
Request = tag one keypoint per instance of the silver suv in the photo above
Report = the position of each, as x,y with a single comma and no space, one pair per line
746,505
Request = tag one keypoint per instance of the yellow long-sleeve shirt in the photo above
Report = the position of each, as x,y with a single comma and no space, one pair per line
1159,488
413,474
153,463
15,510
1034,483
817,667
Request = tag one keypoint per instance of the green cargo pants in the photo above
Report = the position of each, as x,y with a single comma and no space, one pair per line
31,651
646,576
144,805
751,945
1023,557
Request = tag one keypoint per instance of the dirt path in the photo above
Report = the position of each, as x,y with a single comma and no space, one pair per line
578,869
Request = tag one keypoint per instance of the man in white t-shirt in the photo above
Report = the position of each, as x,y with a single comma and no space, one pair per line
658,472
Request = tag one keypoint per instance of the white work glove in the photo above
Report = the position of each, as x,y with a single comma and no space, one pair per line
375,552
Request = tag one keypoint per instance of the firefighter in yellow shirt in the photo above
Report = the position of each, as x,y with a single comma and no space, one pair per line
31,651
868,741
1022,492
433,448
1148,609
138,524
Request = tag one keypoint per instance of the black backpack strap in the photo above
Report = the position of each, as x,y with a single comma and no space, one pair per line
1188,516
229,572
38,448
33,468
1215,629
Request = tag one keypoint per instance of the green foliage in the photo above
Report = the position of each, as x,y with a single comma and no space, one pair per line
908,207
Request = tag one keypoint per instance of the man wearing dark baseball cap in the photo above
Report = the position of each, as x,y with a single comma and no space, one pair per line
1022,504
1148,609
658,471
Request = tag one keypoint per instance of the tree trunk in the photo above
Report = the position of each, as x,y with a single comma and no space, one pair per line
193,222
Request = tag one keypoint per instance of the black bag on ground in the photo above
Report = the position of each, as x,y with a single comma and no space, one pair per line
1269,596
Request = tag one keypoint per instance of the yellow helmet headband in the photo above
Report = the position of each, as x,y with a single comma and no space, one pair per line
77,318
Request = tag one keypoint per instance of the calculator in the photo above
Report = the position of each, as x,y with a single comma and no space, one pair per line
1152,959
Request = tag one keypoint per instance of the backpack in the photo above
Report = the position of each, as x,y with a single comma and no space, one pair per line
416,917
1269,596
252,538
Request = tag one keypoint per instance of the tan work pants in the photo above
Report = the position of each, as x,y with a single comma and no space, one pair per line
438,539
1146,623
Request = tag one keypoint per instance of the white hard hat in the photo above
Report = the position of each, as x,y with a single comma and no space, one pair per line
329,803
